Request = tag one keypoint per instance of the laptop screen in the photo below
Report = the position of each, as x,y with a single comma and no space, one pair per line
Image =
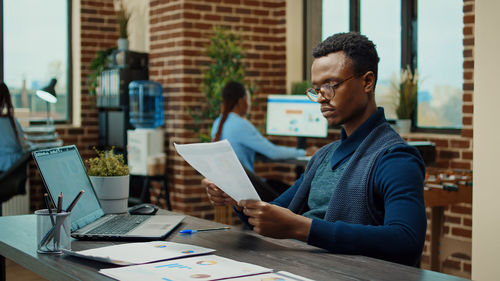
62,170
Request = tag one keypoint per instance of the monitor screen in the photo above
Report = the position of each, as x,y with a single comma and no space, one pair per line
295,115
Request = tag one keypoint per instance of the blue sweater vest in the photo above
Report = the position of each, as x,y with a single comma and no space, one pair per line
349,201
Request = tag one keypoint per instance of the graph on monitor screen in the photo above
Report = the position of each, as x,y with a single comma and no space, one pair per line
294,115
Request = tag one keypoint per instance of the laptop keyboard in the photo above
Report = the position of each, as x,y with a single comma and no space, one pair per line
119,225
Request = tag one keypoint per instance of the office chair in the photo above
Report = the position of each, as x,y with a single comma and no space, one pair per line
13,181
267,192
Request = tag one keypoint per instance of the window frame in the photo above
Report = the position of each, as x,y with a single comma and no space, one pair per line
409,48
69,66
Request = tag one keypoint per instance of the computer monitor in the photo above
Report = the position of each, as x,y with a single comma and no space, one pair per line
295,115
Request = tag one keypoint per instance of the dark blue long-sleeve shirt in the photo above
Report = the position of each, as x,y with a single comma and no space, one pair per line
396,195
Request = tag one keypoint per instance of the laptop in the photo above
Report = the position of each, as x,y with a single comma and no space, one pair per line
62,170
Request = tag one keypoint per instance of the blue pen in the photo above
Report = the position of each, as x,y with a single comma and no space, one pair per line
191,231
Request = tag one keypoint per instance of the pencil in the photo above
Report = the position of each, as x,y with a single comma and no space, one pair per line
59,203
49,208
73,203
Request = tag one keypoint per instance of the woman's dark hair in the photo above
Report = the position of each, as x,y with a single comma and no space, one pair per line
357,47
6,102
231,94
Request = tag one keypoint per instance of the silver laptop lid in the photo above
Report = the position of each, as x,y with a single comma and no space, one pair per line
62,170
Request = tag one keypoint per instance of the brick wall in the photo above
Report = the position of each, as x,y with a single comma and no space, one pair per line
179,33
99,30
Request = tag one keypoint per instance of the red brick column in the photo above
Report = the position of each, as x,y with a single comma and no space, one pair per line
179,33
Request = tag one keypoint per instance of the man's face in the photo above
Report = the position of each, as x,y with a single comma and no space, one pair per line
350,101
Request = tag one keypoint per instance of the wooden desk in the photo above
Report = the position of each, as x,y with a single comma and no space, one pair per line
438,199
17,242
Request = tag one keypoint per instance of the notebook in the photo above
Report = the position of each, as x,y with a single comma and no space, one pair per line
62,170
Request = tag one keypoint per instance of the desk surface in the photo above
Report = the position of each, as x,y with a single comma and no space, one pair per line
17,242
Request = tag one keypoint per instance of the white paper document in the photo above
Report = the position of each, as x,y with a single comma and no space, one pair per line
217,162
208,267
143,252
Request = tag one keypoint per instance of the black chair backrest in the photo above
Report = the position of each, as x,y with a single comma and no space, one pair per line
13,181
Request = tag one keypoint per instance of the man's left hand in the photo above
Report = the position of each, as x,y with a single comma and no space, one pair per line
275,221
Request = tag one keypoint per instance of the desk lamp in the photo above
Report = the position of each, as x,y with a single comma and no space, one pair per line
48,94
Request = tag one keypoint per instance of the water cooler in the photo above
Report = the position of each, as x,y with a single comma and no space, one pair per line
145,154
145,144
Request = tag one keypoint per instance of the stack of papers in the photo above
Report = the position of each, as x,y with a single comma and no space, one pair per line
169,261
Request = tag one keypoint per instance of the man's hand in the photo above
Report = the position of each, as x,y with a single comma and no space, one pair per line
274,221
216,196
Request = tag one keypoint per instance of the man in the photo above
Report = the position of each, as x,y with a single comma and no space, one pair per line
362,194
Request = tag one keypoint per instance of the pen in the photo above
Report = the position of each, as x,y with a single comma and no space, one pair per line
190,231
59,203
73,203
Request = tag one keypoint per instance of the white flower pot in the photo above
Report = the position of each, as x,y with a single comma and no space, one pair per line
112,193
403,126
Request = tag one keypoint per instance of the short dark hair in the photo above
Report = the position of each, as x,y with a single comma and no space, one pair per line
357,47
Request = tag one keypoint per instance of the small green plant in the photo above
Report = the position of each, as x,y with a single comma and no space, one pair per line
122,17
406,93
97,66
107,164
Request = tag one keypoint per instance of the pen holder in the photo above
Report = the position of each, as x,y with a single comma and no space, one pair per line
53,231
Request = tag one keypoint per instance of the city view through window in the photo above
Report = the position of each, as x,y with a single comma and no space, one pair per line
439,54
35,51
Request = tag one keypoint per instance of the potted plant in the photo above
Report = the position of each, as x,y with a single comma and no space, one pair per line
110,177
122,17
226,53
406,98
97,66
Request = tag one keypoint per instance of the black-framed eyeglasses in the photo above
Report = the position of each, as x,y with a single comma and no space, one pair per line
326,90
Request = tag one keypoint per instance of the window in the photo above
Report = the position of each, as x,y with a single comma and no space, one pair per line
36,49
381,22
426,35
440,63
335,17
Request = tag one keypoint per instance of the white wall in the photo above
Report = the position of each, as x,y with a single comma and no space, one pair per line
486,193
294,42
138,25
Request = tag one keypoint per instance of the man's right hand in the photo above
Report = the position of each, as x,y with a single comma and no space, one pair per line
218,197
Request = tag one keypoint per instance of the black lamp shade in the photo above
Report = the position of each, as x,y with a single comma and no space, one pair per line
48,93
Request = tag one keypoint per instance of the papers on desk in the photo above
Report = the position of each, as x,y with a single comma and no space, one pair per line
207,267
173,261
137,253
217,162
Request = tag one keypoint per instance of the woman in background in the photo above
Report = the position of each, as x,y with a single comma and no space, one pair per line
11,140
245,139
